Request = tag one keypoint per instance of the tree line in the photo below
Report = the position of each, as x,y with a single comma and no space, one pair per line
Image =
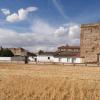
6,53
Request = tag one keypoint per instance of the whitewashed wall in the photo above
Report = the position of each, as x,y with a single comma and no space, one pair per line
78,60
5,58
71,60
31,59
55,59
44,58
63,59
66,60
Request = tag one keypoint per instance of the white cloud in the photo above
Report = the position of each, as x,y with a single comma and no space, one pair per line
21,15
32,41
40,26
70,30
30,9
74,32
42,36
13,18
61,31
5,11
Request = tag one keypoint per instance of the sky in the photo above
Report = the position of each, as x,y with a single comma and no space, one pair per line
45,24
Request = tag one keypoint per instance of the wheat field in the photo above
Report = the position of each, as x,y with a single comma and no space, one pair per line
49,82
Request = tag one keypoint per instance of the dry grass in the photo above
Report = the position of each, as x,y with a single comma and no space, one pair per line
49,82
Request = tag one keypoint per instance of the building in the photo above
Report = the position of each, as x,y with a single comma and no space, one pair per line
67,48
64,54
45,57
20,52
90,42
68,58
59,58
20,55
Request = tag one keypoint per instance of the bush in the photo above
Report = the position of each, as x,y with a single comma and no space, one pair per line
40,52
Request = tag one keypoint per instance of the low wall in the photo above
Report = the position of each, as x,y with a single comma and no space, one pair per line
5,58
31,60
12,59
18,58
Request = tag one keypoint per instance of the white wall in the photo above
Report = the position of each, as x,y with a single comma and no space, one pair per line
44,58
55,59
5,58
78,60
68,60
31,59
63,60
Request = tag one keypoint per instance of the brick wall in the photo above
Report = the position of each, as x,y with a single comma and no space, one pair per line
90,42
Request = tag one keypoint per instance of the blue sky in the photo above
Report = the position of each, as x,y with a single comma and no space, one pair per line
33,23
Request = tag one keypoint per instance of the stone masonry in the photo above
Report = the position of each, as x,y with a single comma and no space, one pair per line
90,42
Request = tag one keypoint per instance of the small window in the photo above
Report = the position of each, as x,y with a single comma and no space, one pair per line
68,59
48,57
73,60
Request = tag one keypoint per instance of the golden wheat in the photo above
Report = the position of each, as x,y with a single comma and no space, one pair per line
49,82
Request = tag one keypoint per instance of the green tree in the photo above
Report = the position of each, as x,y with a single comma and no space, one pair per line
40,52
6,53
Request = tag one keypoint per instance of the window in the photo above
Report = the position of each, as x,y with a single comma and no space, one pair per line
69,50
76,50
35,59
68,59
73,60
48,58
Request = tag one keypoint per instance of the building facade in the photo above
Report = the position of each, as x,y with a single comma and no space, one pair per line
18,51
68,48
45,57
90,42
21,52
64,54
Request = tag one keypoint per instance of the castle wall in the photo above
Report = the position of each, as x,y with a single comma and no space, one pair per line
90,42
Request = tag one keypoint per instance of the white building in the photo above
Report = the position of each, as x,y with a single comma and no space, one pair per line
68,59
53,57
45,57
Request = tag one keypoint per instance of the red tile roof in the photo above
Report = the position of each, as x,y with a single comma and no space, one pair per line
68,55
69,47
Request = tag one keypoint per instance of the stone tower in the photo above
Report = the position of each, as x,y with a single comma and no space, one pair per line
90,42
